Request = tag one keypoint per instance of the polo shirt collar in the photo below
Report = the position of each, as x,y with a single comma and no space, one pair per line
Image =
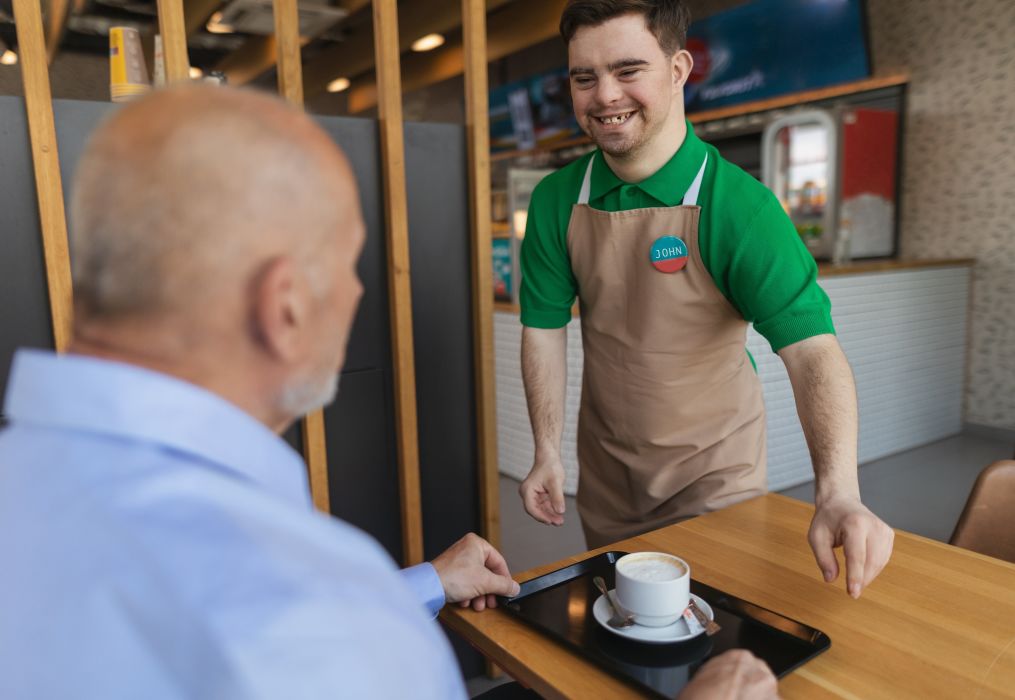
667,185
130,403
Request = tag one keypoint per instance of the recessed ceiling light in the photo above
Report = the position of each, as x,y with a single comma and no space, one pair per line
195,72
428,42
217,26
8,58
338,84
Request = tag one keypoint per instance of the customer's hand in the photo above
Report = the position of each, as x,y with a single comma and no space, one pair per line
865,539
734,675
474,573
542,491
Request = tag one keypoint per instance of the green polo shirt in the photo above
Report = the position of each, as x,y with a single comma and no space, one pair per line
747,242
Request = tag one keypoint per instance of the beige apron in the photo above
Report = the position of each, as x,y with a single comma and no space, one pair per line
672,422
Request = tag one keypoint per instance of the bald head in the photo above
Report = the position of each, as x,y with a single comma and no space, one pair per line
179,197
214,237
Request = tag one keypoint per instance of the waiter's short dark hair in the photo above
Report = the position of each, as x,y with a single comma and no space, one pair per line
666,19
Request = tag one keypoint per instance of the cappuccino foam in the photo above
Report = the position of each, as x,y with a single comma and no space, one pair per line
652,569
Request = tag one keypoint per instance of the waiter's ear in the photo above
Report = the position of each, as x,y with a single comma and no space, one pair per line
682,62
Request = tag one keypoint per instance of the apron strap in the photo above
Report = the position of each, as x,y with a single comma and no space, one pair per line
690,198
586,190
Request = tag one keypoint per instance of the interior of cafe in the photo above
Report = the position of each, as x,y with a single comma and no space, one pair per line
883,130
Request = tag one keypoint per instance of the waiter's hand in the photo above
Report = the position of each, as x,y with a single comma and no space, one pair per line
865,539
734,675
474,573
542,491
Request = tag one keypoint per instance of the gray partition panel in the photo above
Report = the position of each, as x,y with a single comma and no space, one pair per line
362,478
24,299
435,162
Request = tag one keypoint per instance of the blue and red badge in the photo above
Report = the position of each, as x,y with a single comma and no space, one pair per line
669,254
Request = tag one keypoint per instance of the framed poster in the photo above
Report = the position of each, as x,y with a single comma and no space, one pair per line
766,48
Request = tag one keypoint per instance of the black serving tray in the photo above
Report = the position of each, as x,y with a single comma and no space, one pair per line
560,604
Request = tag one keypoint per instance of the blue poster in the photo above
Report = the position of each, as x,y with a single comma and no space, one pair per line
773,47
532,113
502,269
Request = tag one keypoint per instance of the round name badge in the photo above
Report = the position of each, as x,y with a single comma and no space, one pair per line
669,254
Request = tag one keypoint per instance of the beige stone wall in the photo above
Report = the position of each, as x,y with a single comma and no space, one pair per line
959,177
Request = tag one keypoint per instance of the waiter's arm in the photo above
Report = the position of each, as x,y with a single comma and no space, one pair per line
826,403
544,373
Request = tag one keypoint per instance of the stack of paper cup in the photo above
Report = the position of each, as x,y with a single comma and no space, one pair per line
159,69
128,77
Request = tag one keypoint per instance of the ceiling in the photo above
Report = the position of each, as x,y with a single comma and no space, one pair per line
338,36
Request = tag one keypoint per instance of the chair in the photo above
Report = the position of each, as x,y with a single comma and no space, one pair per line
987,524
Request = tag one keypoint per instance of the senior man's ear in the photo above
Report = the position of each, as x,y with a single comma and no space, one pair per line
281,309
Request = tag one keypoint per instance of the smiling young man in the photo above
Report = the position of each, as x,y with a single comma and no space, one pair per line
673,252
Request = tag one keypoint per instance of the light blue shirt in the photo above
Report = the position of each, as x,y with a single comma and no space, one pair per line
158,542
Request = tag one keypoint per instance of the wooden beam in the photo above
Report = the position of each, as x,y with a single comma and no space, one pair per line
259,54
255,55
385,14
354,57
517,26
45,159
56,22
290,86
174,40
197,12
418,71
477,128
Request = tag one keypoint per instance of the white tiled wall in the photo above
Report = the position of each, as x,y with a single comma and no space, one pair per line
904,333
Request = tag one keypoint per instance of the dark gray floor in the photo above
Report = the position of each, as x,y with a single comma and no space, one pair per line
923,490
527,543
920,491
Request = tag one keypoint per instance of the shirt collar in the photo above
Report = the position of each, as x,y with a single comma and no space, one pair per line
75,392
668,184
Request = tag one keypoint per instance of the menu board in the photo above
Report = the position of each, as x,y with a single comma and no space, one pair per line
772,47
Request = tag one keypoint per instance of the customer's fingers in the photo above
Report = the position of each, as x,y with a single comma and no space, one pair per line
494,560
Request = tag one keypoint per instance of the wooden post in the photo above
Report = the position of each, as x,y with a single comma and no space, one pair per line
174,41
290,86
477,125
48,184
287,41
385,14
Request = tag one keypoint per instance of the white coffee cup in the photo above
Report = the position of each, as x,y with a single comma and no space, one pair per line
654,586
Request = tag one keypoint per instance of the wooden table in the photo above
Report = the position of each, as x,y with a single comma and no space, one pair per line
938,623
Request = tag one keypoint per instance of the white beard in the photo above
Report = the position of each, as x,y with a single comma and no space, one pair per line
305,396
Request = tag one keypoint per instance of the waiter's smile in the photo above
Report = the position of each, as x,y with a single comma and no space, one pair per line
615,119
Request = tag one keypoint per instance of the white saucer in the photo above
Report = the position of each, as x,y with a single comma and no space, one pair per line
677,632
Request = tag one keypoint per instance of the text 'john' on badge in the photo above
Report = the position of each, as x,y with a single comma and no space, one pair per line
669,254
